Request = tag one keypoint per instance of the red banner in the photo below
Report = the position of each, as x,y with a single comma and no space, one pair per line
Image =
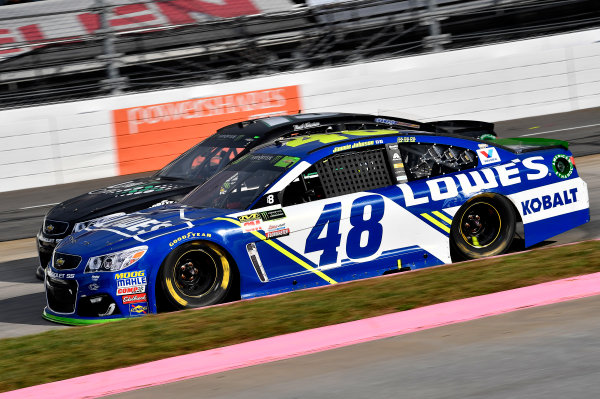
148,137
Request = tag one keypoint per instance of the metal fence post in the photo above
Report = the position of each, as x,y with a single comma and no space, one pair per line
436,39
115,82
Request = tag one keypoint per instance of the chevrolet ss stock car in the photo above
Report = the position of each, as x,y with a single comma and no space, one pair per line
315,210
199,163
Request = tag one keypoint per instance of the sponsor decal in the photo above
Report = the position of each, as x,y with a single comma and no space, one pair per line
249,217
131,290
407,139
253,225
136,224
286,162
138,309
94,287
135,298
95,277
360,144
488,155
446,187
276,226
188,236
396,156
398,165
545,202
562,165
125,275
134,188
482,145
307,125
52,274
144,126
395,123
132,282
273,214
277,233
163,202
48,240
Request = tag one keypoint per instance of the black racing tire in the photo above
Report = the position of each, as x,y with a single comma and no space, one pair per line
484,226
196,274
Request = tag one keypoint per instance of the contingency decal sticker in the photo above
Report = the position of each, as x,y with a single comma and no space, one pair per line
488,155
562,165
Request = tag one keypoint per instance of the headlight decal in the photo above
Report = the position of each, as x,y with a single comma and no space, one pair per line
115,261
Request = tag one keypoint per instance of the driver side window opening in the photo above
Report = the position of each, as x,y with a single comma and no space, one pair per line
339,174
305,188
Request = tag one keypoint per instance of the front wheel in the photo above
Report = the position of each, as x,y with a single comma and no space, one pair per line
195,275
484,226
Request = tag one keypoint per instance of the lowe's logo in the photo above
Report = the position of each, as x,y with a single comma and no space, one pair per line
548,201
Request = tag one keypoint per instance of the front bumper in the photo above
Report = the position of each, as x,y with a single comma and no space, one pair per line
45,247
75,321
78,298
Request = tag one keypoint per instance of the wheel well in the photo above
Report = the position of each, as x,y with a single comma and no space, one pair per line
234,291
494,196
488,195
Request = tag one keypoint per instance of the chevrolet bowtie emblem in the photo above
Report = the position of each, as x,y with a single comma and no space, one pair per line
49,228
60,262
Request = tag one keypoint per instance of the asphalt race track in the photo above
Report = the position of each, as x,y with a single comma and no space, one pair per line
547,352
532,353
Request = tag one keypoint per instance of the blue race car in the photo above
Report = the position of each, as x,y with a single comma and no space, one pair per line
315,210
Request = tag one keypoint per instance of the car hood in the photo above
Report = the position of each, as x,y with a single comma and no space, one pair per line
121,232
125,197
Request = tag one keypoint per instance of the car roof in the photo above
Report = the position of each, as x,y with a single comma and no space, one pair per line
303,145
275,126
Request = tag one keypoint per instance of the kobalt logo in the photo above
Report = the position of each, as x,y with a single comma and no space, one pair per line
548,201
446,187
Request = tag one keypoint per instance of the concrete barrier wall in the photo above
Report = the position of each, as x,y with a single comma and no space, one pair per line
70,142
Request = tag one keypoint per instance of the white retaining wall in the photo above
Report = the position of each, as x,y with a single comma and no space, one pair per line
70,142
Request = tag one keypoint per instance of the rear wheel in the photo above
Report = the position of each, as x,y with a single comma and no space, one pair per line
484,226
196,274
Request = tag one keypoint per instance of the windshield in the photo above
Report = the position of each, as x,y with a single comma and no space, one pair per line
238,185
201,162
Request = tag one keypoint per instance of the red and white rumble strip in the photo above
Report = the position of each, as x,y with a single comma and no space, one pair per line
311,341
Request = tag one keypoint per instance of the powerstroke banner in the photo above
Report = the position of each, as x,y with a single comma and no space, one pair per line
24,27
150,136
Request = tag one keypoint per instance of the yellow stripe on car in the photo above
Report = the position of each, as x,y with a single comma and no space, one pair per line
284,252
443,217
436,222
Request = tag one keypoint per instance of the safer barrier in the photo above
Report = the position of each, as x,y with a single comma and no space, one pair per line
105,137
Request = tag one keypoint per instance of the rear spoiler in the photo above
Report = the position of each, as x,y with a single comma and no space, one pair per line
526,144
474,129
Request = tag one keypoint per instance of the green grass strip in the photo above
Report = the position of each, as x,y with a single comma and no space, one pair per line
61,354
